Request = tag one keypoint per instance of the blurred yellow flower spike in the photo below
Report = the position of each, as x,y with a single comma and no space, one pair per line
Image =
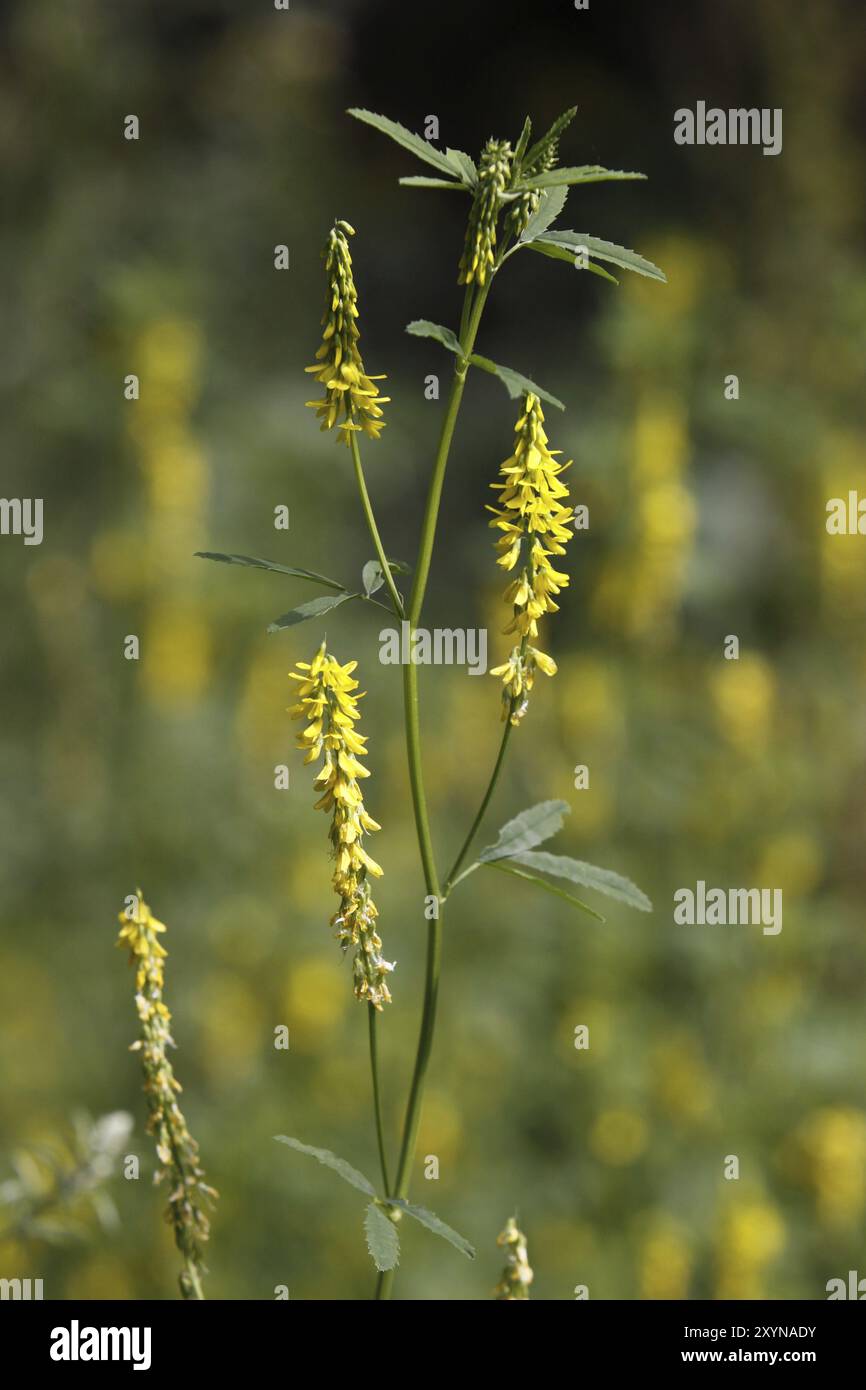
351,400
329,707
176,1149
535,524
517,1274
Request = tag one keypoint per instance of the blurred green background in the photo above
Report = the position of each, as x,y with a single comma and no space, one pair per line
707,518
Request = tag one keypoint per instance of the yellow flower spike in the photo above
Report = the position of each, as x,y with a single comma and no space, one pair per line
517,1274
331,696
176,1149
535,523
494,172
350,395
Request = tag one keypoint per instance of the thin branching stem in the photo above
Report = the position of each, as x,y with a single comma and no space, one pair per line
372,1014
373,528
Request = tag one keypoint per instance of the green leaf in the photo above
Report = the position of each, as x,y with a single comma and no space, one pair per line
532,827
330,1160
373,577
432,1222
419,181
562,253
383,1242
551,137
423,328
608,251
420,148
515,383
507,867
548,210
520,147
585,173
588,875
463,165
315,608
252,561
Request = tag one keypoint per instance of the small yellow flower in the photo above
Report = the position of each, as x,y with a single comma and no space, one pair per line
494,172
517,1274
176,1149
351,400
535,524
329,706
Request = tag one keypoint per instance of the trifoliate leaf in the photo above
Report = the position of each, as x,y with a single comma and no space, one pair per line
515,383
556,252
509,866
420,181
383,1242
421,148
423,328
330,1160
585,173
532,827
608,251
546,213
254,562
439,1228
587,875
315,608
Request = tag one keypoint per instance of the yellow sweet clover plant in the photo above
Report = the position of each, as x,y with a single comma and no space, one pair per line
176,1149
516,192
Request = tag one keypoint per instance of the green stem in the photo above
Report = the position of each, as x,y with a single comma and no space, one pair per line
195,1282
473,307
373,528
377,1099
491,786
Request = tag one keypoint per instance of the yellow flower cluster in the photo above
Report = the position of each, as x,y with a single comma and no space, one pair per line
351,397
328,703
494,172
517,1274
176,1149
535,524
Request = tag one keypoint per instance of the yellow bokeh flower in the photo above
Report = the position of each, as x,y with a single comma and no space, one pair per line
329,708
351,400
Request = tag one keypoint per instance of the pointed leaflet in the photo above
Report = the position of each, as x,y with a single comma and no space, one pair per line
608,251
556,252
315,608
509,866
419,181
546,213
253,562
587,875
330,1160
523,141
383,1241
585,173
432,1222
423,328
532,827
464,166
515,383
420,148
